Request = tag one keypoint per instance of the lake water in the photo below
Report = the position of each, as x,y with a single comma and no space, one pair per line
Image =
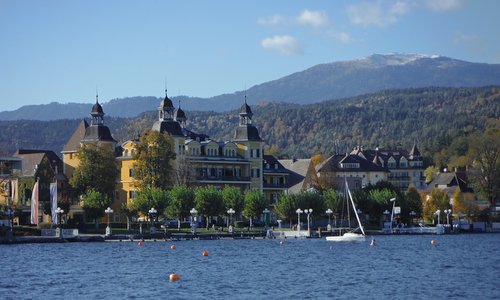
408,267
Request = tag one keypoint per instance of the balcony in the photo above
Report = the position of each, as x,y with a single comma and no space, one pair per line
223,178
274,185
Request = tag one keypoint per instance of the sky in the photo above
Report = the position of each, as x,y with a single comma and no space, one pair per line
66,51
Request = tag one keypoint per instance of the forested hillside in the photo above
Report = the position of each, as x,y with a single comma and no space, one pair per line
436,118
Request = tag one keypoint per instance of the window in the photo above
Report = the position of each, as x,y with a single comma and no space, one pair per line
131,194
131,172
255,173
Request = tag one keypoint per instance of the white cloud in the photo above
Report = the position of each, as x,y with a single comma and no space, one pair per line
380,13
272,20
341,36
443,5
284,44
313,18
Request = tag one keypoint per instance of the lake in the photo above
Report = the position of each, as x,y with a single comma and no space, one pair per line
465,266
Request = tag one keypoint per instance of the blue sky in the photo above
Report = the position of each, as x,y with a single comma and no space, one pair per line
61,50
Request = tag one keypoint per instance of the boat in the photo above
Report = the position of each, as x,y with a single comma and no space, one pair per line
351,235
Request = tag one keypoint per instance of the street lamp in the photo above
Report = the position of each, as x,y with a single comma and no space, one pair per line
59,212
298,211
438,213
152,212
265,213
393,200
447,212
230,211
308,212
108,211
193,213
329,212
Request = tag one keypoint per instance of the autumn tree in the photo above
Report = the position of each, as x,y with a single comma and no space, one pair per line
97,170
153,160
436,200
484,155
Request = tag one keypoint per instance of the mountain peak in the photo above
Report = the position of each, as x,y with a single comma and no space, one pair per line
394,59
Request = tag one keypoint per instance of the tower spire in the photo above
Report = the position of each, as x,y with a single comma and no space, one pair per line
96,95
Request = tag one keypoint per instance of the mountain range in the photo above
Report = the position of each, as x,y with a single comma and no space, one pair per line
330,81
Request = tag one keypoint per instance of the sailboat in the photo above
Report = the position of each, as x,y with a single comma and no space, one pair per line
350,236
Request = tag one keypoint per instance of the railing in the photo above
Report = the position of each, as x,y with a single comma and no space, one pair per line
274,185
223,178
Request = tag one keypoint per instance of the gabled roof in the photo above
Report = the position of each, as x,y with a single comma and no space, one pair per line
75,140
33,158
274,165
298,171
333,164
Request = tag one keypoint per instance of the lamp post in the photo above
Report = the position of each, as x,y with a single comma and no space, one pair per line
265,214
230,211
438,213
329,213
298,211
447,212
152,212
393,200
412,216
193,213
59,212
108,211
308,212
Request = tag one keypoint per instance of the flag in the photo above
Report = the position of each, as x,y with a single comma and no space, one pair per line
53,201
34,204
13,190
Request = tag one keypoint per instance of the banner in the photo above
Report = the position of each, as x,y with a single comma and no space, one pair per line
13,191
53,202
34,205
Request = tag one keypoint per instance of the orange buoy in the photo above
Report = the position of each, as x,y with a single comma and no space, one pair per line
373,242
173,247
174,277
434,242
205,253
139,243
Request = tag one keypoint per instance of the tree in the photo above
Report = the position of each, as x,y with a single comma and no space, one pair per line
430,173
97,170
233,198
150,198
208,202
464,205
413,201
287,206
436,200
153,160
181,202
94,204
129,211
333,200
255,203
484,155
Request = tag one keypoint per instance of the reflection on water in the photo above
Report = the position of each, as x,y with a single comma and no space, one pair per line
458,266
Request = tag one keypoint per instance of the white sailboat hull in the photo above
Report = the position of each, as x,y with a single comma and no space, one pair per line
347,237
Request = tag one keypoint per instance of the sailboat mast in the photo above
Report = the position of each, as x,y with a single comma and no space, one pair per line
355,211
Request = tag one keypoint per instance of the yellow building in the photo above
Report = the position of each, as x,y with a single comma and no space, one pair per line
199,159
